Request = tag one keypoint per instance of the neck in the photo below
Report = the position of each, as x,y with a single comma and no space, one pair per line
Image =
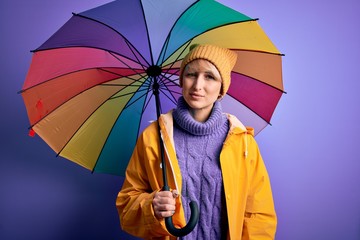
200,115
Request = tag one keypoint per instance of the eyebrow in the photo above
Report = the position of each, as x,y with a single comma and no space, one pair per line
188,68
210,72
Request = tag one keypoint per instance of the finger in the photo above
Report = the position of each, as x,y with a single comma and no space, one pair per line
164,214
164,194
164,204
163,210
175,193
164,199
163,207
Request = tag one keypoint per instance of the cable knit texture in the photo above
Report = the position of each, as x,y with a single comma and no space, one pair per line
198,146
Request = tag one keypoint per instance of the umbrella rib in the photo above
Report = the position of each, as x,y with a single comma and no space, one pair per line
31,126
54,78
164,86
129,93
166,45
142,95
146,104
177,58
110,98
119,85
207,30
172,28
250,109
85,69
257,80
104,49
172,99
58,154
100,152
147,33
127,64
258,51
248,106
172,91
166,80
124,85
134,79
126,40
190,40
280,90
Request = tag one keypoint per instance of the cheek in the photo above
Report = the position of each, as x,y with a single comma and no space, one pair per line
218,93
186,84
216,89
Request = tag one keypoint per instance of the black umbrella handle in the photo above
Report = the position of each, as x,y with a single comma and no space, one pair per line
180,232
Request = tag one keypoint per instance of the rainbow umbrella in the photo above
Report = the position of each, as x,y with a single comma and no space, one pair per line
108,72
90,88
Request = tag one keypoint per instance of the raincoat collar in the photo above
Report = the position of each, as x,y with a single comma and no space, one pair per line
236,126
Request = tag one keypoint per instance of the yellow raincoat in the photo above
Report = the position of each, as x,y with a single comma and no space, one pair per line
250,207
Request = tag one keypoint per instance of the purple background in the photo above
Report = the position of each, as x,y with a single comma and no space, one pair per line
311,151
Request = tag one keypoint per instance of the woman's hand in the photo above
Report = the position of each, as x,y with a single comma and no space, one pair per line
164,204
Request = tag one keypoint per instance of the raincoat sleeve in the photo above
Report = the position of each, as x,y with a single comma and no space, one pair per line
260,218
134,201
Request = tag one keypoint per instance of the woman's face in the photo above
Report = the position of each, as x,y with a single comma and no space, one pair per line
201,87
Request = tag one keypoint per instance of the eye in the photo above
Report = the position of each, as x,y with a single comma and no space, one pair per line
210,77
190,74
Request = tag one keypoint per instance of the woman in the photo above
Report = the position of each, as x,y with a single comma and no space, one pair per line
211,157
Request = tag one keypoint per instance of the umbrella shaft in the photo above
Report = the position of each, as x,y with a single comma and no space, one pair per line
158,112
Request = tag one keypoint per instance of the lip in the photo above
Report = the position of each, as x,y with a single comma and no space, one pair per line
196,95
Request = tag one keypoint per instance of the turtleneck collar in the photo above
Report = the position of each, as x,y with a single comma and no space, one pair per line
184,119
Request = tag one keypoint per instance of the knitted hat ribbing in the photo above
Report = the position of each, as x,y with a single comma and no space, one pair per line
222,58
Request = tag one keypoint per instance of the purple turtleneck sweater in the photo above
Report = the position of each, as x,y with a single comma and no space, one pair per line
198,146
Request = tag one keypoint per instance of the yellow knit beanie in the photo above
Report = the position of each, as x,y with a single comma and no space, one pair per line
222,58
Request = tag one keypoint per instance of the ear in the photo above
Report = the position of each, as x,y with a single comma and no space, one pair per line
220,93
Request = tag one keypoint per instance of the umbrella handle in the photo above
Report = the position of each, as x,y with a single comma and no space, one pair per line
194,217
180,232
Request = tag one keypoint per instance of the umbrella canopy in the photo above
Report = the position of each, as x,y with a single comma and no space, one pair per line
89,89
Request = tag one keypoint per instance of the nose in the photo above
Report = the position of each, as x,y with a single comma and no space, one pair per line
199,82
